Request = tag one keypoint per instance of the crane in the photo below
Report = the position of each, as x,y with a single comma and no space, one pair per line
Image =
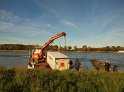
38,56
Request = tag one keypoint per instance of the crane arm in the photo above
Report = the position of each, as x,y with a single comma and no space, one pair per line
50,41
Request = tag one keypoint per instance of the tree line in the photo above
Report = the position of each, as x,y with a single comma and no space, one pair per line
15,47
88,48
56,47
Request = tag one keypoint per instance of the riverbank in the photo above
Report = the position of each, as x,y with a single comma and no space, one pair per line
17,79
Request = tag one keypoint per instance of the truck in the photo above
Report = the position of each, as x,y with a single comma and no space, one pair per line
58,61
38,57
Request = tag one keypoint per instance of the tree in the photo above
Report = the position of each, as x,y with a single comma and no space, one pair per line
113,48
69,48
108,48
118,48
65,48
89,49
55,47
75,48
84,48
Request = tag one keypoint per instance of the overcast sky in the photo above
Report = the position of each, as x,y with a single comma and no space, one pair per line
95,23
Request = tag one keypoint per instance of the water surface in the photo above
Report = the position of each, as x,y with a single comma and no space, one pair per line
21,58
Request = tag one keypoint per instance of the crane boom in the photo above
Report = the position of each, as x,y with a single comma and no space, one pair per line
41,54
50,41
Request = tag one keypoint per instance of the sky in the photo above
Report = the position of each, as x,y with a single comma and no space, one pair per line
95,23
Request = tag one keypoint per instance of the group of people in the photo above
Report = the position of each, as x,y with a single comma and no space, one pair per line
110,67
76,64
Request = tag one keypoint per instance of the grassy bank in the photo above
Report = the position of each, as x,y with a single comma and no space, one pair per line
23,80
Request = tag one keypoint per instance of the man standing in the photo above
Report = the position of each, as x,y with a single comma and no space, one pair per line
107,66
77,64
71,64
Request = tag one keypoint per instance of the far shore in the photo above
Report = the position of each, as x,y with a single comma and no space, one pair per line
60,51
14,50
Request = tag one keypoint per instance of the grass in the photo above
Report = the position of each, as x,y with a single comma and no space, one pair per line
19,79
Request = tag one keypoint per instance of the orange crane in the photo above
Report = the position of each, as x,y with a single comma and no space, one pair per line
37,57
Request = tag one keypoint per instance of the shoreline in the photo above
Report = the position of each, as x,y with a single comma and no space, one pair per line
60,51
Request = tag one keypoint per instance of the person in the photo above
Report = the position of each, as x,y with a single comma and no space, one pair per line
114,68
107,66
71,64
77,64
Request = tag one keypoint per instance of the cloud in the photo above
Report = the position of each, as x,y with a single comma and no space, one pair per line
5,26
9,20
111,38
55,13
20,29
10,39
115,35
68,23
23,30
32,30
9,16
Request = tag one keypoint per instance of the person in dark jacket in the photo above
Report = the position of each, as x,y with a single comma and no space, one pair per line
77,64
107,66
71,64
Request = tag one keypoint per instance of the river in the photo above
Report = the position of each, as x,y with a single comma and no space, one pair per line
9,58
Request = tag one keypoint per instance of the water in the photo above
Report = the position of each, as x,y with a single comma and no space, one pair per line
13,58
85,58
21,58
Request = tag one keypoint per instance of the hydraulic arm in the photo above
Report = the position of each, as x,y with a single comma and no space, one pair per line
41,54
